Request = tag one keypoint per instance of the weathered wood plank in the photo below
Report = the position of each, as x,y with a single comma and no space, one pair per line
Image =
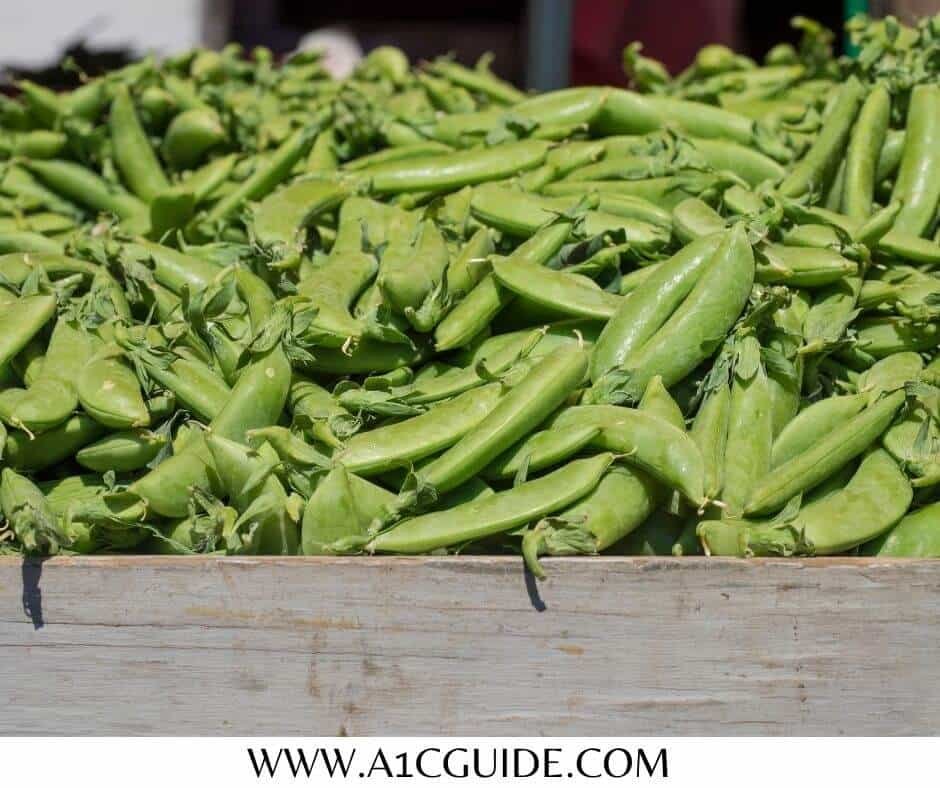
619,646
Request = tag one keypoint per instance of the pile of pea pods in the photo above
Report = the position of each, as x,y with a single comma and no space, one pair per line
246,308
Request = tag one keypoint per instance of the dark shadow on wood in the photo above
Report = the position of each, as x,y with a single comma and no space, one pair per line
32,593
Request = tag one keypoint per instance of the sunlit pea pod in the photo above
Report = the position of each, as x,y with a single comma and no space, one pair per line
651,304
280,220
917,184
875,499
412,267
110,393
29,515
710,433
52,397
341,508
882,336
43,223
546,386
412,439
494,514
84,186
52,447
890,374
814,422
916,536
21,320
665,192
568,294
133,154
196,386
829,453
651,444
26,241
541,450
622,500
190,136
121,452
261,504
801,266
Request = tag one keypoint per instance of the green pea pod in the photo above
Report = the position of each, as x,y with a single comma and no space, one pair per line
479,80
817,168
798,266
51,447
20,321
645,441
190,136
132,151
710,433
16,181
918,182
541,450
829,453
539,393
29,515
883,336
25,241
122,452
260,499
889,374
620,502
916,536
814,422
451,171
367,357
412,267
650,305
86,187
280,220
405,441
658,402
52,397
342,507
875,498
494,514
861,158
110,393
750,428
693,219
196,386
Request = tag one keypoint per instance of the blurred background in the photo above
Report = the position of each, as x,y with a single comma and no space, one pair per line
539,44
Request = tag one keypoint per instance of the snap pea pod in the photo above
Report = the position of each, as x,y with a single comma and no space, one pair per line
451,171
53,446
539,393
861,158
649,443
122,452
478,80
280,220
494,514
710,433
86,187
377,450
827,454
191,135
25,241
29,515
650,305
816,169
801,266
20,320
110,393
16,181
874,499
541,450
133,154
918,181
915,536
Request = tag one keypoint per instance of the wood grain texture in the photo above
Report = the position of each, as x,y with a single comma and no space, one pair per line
615,646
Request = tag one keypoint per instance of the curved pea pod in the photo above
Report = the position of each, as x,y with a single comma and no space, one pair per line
912,441
195,385
451,171
258,397
815,421
494,514
17,182
743,160
264,524
330,290
916,536
883,336
280,220
51,447
651,444
798,266
327,421
710,433
655,536
814,172
171,210
694,218
657,401
172,269
20,320
918,181
650,305
42,223
52,397
620,502
132,151
342,507
128,450
479,80
27,241
110,393
167,489
367,357
697,327
749,441
29,515
442,426
827,454
550,381
301,465
568,294
541,450
875,498
86,187
190,136
889,374
412,267
861,158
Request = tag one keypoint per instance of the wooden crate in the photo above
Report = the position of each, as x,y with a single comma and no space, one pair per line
616,646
